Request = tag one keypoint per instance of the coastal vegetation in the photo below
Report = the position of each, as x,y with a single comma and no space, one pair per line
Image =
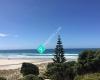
88,62
30,72
28,68
60,69
31,77
3,78
91,76
87,65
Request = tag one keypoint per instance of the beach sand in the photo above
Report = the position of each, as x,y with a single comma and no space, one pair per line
6,64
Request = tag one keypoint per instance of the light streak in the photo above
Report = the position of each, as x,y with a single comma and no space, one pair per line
51,36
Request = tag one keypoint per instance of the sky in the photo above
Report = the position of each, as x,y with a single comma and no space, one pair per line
26,24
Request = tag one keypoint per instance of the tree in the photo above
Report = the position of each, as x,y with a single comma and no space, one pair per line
28,68
59,52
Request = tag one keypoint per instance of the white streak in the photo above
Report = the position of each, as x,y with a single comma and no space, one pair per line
49,39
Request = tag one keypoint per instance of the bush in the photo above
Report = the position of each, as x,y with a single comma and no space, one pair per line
28,68
2,78
31,77
94,76
61,71
88,62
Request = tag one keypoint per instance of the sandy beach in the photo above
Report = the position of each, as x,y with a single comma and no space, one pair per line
6,64
14,63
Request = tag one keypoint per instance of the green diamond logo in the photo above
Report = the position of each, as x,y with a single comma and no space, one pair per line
41,49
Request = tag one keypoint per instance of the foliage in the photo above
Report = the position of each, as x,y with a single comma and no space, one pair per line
31,77
59,52
28,68
88,62
93,76
2,78
61,71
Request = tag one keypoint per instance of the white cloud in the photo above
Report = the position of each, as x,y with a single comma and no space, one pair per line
3,35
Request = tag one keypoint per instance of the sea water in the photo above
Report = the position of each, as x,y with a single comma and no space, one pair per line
32,53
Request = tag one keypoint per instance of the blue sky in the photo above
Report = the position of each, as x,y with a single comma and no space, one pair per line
29,23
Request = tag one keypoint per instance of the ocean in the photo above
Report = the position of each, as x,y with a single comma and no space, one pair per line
32,53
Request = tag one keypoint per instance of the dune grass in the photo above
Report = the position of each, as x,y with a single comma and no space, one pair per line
92,76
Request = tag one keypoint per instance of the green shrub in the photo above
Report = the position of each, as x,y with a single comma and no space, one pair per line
28,68
61,71
88,62
31,77
2,78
